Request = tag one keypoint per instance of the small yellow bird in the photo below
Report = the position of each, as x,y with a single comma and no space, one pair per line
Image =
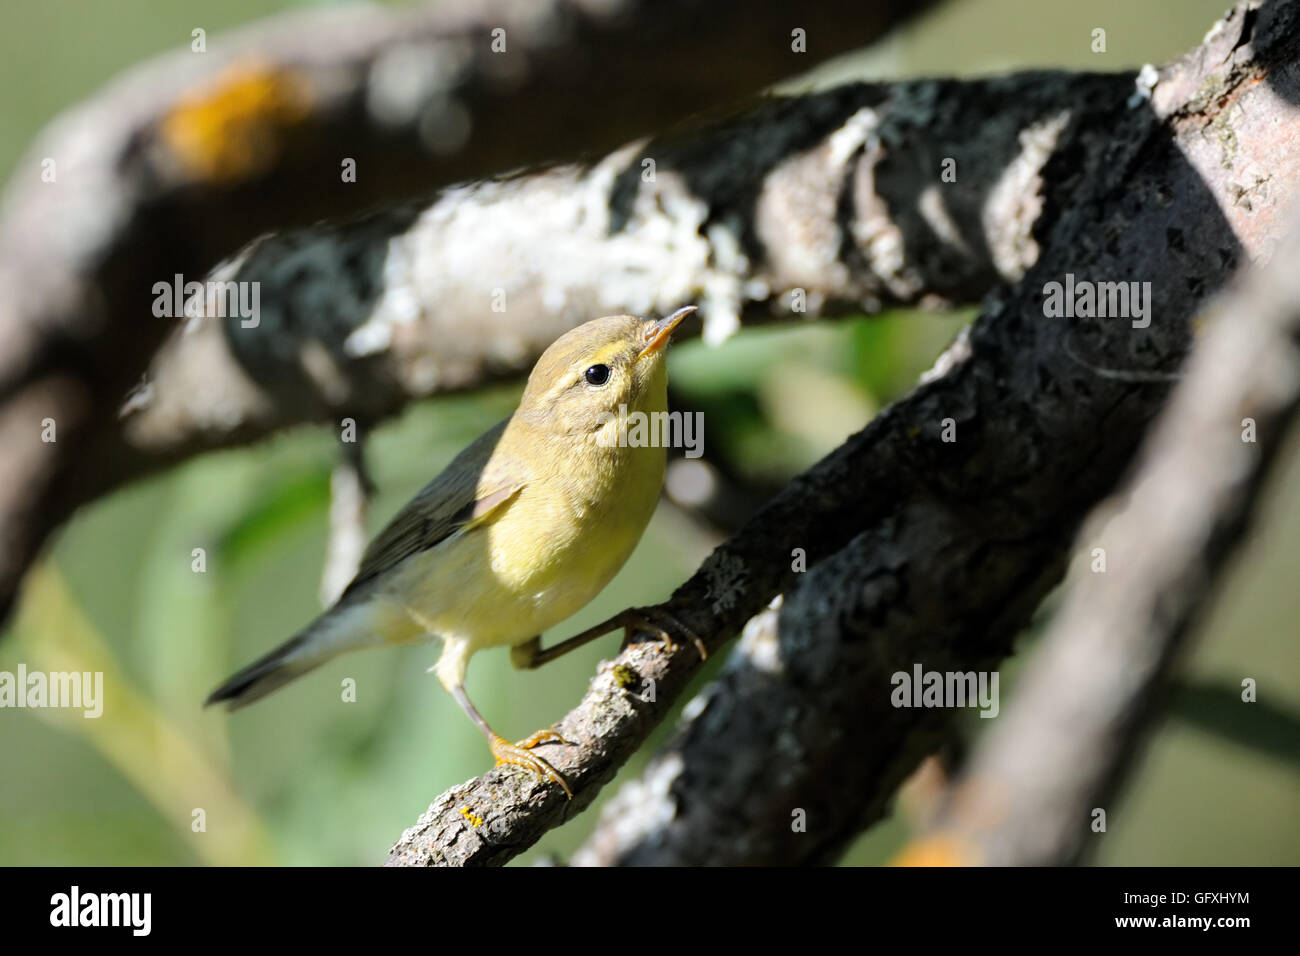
520,531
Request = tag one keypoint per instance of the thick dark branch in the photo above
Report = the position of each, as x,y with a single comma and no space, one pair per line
1091,694
929,550
187,158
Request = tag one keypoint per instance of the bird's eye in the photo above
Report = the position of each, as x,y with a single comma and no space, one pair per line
597,375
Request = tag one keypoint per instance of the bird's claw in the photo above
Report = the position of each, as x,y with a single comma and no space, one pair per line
521,755
662,623
544,737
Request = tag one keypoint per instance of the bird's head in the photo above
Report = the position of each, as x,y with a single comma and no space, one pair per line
592,371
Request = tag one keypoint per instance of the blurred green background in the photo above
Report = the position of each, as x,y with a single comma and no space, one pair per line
305,779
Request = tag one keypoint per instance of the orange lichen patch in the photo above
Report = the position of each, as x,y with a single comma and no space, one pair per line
473,818
936,851
234,128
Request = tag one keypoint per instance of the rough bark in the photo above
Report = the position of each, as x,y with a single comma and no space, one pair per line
1090,696
923,549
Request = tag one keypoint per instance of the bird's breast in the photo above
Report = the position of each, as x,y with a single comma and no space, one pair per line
551,551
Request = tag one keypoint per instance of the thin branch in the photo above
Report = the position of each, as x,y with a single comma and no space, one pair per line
350,490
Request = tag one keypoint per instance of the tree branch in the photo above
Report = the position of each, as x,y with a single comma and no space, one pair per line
833,195
921,548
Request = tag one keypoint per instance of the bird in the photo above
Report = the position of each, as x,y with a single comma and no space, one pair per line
520,531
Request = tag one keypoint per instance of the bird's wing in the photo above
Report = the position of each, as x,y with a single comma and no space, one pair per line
469,491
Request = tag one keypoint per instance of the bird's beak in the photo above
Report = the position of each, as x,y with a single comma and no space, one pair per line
657,336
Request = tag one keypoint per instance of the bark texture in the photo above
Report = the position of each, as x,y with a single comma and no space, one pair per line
1089,698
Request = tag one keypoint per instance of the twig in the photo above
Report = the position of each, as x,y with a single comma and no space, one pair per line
350,490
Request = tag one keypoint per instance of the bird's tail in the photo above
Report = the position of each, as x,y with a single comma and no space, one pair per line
325,638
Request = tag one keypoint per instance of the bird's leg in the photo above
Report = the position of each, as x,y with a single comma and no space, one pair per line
656,620
520,754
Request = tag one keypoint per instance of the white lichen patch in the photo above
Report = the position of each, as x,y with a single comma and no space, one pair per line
954,355
724,290
1016,200
934,211
858,131
879,238
759,646
1143,85
396,306
796,214
696,706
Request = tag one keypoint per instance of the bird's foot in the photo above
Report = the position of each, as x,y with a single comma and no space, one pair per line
662,623
521,755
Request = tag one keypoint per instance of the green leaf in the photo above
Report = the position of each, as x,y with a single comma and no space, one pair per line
298,497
